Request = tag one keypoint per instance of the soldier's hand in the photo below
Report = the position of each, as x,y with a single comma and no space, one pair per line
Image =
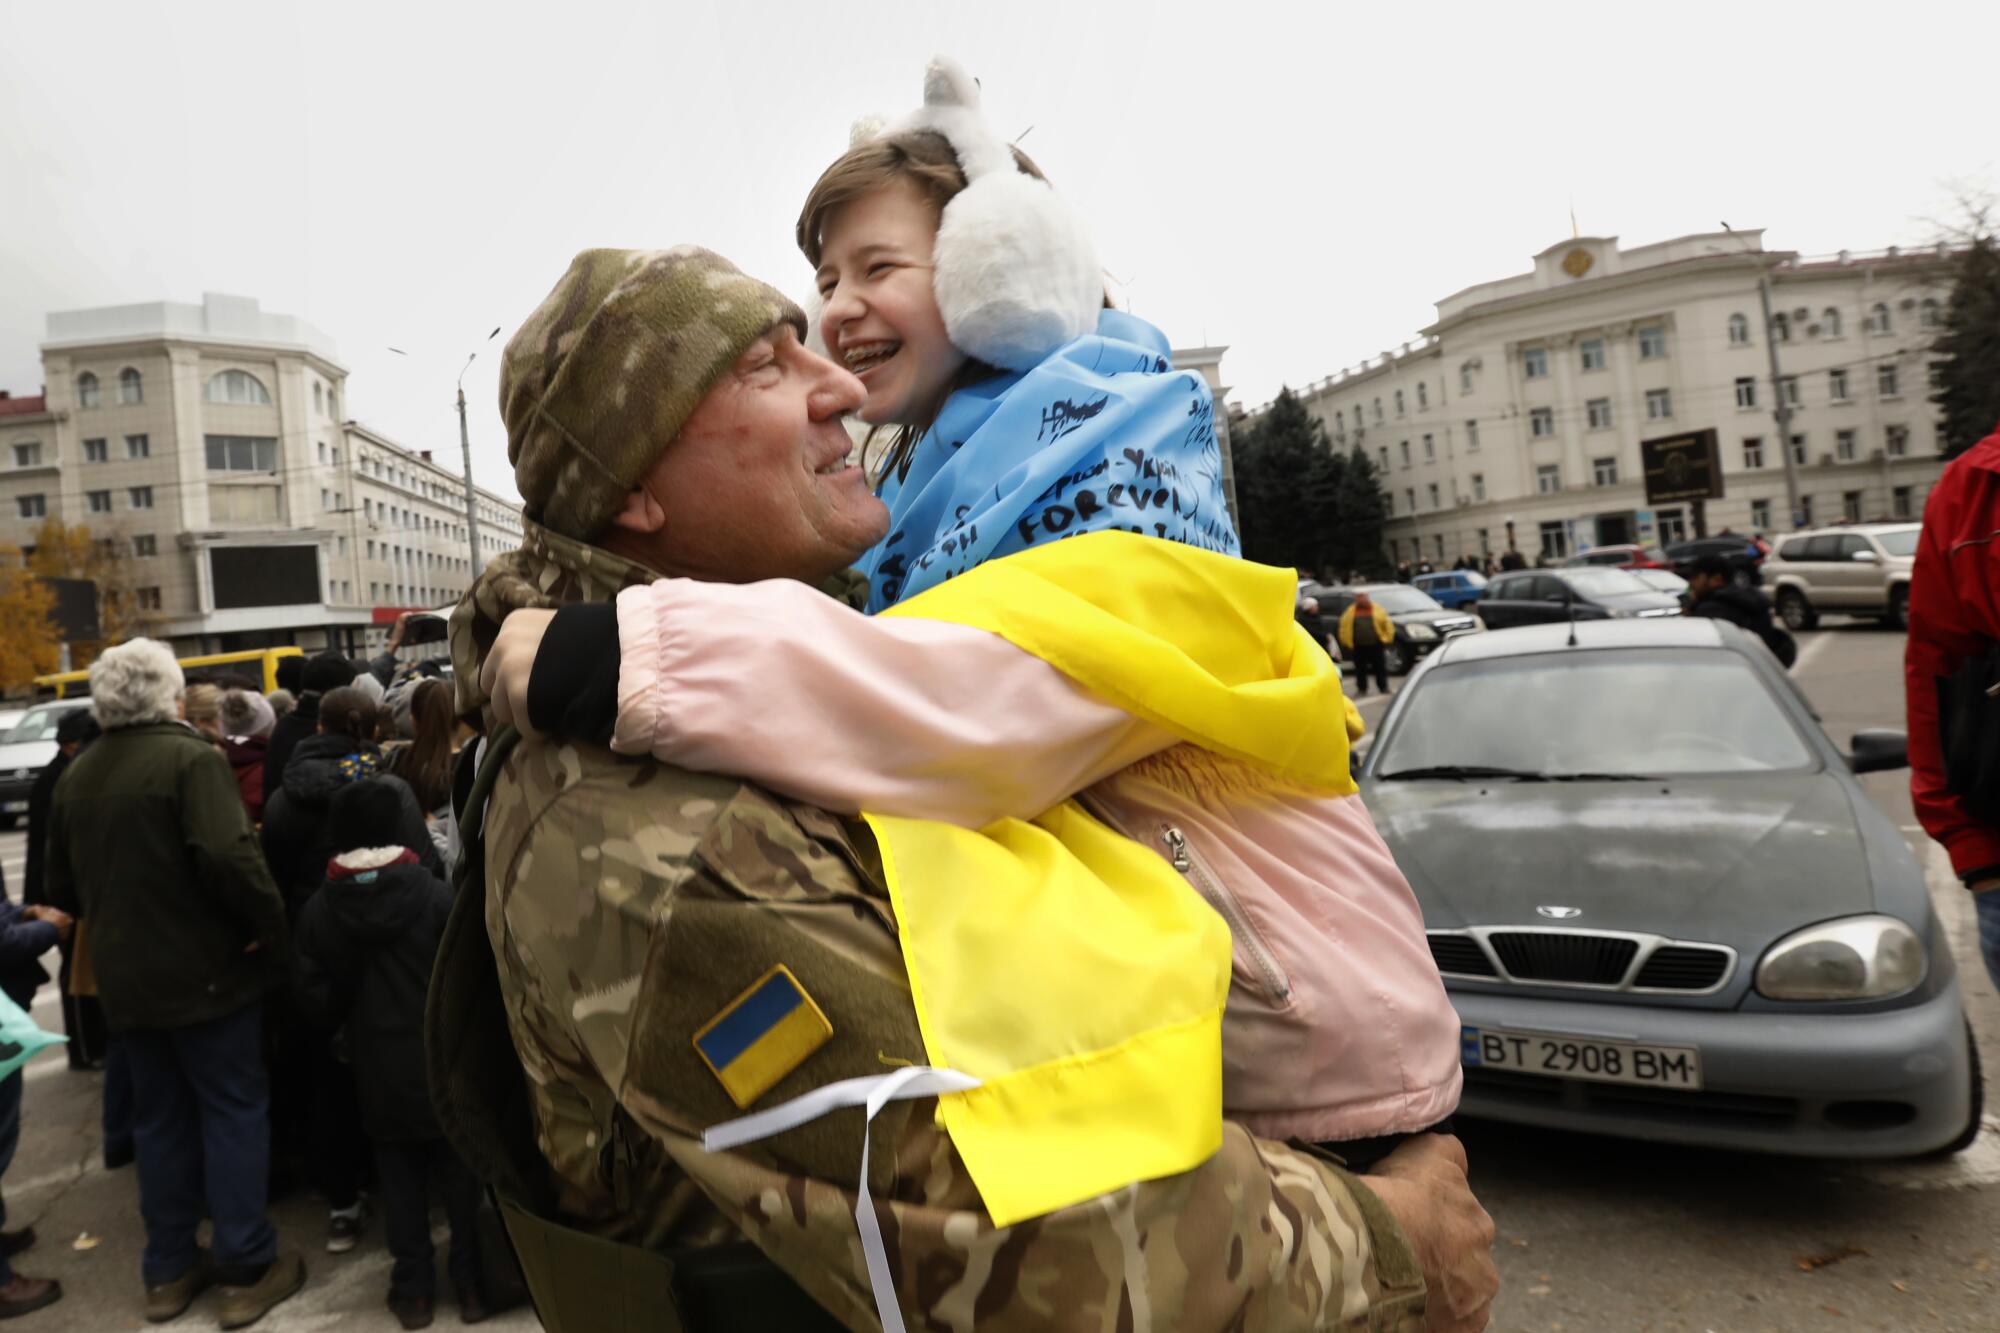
1423,1183
512,661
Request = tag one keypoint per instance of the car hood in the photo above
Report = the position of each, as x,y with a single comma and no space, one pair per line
1427,617
1735,861
26,754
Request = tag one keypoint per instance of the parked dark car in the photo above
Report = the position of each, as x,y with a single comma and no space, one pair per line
25,751
1454,589
1544,596
1662,905
1620,557
1421,624
1745,557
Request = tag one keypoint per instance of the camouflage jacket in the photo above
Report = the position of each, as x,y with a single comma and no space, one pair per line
628,902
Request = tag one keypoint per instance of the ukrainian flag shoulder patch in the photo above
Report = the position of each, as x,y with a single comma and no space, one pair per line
762,1035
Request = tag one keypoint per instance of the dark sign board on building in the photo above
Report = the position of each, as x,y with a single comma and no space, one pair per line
264,575
1682,467
76,608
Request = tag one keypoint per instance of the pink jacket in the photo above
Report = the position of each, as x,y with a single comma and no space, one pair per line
1337,1026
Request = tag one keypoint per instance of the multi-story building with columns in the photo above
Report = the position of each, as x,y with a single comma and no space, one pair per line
1514,421
211,441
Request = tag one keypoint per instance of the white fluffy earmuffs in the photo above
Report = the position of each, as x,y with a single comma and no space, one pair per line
1016,274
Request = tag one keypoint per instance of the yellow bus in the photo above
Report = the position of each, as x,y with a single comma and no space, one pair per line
211,666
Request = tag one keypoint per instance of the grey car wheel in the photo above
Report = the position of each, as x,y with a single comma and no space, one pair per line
1899,608
1399,659
1796,611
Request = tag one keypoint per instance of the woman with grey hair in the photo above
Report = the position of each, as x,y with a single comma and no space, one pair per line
149,841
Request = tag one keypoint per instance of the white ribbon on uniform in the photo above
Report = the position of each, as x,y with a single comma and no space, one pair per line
871,1092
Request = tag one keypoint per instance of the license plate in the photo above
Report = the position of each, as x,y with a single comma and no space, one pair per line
1586,1058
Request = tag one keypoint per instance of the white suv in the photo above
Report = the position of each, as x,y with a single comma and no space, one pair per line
1862,570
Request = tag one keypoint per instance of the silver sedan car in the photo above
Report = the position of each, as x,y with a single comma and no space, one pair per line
1662,904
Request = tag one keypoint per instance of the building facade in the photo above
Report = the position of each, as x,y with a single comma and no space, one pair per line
210,442
1515,421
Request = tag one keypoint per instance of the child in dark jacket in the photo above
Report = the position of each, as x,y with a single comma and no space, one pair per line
365,945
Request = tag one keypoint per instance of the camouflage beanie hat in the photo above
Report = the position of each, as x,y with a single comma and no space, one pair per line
601,377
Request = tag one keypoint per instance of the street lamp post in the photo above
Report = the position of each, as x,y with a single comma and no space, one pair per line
465,454
1781,408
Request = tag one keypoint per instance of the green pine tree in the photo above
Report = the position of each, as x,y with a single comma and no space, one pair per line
1363,509
1969,392
1304,505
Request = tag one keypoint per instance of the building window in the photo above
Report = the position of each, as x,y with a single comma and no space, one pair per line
149,599
1788,390
1672,526
28,455
1399,402
138,446
96,451
1806,510
1850,506
1885,379
1652,342
1927,313
98,502
86,391
1548,479
1405,447
1434,495
1472,437
1535,363
1479,487
1898,438
1410,498
1781,328
1843,445
1383,451
1465,378
32,506
1659,404
1937,376
1599,413
1591,350
1423,394
1739,331
1836,385
146,544
1753,453
1746,391
1485,543
1604,471
1555,540
1430,449
1878,318
131,386
319,397
142,497
242,453
1760,515
1829,323
1378,411
1542,422
236,386
1799,449
1900,502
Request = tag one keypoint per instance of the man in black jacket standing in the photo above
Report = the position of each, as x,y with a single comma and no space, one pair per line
328,671
1712,592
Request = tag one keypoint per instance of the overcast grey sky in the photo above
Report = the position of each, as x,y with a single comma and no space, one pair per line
1298,182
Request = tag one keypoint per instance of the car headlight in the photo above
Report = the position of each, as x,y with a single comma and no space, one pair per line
1859,958
1422,633
1619,613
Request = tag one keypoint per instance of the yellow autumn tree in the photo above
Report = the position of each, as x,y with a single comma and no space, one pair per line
29,643
74,551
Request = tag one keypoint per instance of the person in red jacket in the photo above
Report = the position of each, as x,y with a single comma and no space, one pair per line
1954,616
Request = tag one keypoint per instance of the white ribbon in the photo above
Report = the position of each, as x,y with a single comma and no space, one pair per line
871,1092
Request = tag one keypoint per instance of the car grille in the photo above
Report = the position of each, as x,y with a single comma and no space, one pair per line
1455,626
1682,967
1462,955
1587,960
1554,957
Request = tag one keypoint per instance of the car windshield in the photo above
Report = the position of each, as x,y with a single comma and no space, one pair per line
1903,544
1402,599
1602,581
38,725
1656,712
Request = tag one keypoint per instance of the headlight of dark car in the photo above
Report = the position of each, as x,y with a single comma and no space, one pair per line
1422,633
1856,958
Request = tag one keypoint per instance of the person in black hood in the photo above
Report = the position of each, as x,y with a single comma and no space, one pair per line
319,675
1712,592
365,945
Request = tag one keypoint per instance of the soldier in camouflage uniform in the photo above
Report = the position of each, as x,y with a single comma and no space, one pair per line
628,902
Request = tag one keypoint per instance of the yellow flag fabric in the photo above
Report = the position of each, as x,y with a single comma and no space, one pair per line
1073,971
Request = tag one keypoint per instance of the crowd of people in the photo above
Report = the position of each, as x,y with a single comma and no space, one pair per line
248,889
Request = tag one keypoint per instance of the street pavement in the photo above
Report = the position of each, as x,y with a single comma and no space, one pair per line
1596,1235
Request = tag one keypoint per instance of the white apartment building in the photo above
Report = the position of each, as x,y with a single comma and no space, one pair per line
210,440
1514,421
